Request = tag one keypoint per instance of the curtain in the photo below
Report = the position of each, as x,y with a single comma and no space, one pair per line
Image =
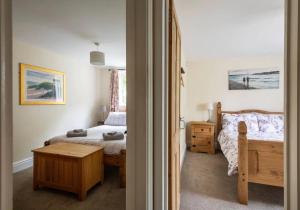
114,91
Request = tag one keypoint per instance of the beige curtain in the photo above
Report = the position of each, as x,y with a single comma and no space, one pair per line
114,91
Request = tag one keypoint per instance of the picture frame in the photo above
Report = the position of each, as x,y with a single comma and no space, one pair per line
41,86
254,79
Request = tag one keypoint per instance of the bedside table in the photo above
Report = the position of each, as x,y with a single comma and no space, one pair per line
201,137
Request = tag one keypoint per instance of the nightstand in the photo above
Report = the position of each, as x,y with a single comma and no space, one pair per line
201,137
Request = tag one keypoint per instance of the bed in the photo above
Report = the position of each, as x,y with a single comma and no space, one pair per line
114,151
252,142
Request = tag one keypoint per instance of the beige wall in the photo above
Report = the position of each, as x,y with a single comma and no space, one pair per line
104,76
183,110
207,81
32,125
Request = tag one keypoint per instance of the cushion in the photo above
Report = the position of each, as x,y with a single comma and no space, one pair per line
230,122
271,123
116,119
251,122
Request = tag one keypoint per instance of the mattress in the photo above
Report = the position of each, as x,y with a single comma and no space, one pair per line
229,145
95,137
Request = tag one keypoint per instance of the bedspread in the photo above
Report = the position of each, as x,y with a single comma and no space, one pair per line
229,145
95,137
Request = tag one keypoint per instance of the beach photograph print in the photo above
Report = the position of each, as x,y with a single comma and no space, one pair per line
39,85
262,78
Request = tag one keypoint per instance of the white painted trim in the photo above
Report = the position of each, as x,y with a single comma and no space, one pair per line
139,68
6,181
160,93
22,164
292,104
183,158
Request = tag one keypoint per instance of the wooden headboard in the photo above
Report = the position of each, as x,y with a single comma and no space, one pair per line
220,113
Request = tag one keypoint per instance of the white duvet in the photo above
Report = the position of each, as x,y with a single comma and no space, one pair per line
229,145
95,137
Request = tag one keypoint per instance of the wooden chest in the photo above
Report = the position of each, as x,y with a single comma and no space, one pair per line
69,167
201,137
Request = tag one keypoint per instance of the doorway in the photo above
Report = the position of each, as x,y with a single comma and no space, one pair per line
204,93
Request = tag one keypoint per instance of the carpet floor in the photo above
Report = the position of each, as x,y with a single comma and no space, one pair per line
108,196
205,185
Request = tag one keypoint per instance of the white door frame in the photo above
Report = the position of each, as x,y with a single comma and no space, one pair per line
139,68
292,105
6,105
160,89
147,104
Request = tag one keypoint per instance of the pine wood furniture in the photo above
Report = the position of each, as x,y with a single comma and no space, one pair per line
70,167
201,137
259,161
117,160
174,76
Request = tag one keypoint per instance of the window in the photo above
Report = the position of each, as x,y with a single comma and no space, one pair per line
122,89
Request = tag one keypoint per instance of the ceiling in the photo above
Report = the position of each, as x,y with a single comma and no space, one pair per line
71,26
231,28
209,28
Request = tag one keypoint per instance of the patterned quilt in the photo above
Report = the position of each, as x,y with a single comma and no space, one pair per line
259,126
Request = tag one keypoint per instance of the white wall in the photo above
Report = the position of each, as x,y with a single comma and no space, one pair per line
207,81
183,110
33,124
104,76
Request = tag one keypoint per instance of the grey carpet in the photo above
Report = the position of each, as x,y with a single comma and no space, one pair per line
206,186
108,196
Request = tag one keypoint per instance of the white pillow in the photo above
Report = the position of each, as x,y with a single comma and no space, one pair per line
270,123
230,122
116,118
251,122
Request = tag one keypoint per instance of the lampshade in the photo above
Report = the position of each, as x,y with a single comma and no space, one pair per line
103,109
97,58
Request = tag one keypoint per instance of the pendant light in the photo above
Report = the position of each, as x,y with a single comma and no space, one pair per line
97,57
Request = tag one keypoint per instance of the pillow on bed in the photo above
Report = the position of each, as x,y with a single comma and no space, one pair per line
230,122
270,123
116,118
251,122
278,122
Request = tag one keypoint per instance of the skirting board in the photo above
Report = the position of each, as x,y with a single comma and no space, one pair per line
22,164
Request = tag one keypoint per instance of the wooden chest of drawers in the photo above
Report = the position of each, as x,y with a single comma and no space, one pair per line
201,137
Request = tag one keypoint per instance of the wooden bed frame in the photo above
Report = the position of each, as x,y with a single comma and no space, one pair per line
114,160
259,161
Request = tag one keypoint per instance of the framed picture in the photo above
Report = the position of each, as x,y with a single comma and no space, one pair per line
41,86
264,78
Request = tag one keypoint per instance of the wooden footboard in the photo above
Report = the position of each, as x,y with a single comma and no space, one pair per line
242,164
258,162
113,160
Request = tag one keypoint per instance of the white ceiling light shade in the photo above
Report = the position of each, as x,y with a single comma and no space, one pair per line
97,57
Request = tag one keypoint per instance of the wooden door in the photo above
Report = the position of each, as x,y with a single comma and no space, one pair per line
174,109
